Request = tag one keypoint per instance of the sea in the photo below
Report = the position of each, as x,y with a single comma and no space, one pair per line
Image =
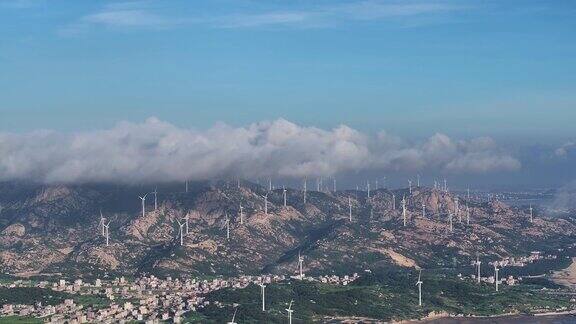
519,319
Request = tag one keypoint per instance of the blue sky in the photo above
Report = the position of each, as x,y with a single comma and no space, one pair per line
410,67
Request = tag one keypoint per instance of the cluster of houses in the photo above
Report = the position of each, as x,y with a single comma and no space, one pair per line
148,299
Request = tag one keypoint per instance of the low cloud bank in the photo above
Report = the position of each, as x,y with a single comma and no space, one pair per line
157,151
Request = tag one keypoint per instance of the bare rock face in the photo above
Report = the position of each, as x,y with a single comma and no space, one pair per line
55,227
16,229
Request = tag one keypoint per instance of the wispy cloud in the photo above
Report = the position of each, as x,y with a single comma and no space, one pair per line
142,14
123,15
341,13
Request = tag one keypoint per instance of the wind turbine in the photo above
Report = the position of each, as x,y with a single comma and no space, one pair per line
155,192
393,202
107,232
305,181
418,180
368,187
349,209
290,311
284,193
241,214
269,184
445,185
450,219
531,214
186,185
376,184
410,185
181,231
496,274
101,224
404,210
186,218
265,203
423,210
144,205
234,316
227,227
419,284
468,193
467,214
300,262
263,286
478,262
334,184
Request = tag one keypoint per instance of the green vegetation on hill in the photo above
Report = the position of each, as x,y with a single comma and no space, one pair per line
19,320
30,296
383,295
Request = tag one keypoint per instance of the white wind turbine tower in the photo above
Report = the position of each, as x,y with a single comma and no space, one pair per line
181,231
305,180
478,262
418,180
318,184
290,311
300,263
107,232
265,203
404,210
467,214
263,286
233,316
350,209
368,188
450,219
423,210
186,185
496,274
241,214
393,202
155,192
410,185
468,193
376,184
227,227
186,218
419,284
269,184
101,224
334,184
531,214
144,205
284,194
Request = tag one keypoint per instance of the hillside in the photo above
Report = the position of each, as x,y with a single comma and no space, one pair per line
56,229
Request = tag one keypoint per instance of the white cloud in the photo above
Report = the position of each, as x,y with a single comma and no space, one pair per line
159,151
563,150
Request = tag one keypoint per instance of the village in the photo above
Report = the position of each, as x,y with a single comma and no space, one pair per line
148,299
